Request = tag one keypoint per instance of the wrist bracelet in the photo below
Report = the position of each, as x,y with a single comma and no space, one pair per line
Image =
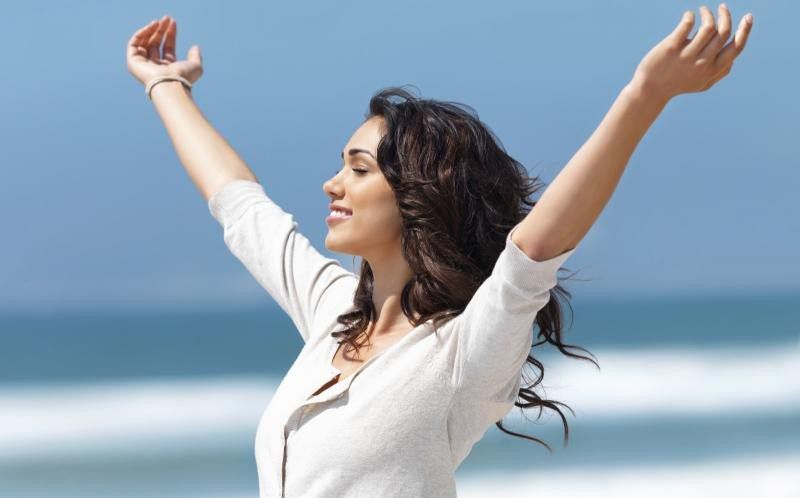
158,79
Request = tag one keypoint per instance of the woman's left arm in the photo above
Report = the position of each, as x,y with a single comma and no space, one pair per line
576,197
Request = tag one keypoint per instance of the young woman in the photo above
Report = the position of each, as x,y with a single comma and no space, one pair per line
407,364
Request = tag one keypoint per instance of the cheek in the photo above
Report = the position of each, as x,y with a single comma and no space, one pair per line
376,207
382,215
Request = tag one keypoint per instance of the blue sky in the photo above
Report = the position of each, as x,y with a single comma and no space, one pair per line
99,212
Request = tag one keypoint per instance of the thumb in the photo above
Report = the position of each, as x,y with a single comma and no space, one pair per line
194,55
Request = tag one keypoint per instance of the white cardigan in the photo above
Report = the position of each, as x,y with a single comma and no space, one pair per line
402,424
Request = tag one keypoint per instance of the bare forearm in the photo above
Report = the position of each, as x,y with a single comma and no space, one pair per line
207,157
574,200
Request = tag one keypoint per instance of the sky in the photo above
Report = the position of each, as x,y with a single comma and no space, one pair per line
99,211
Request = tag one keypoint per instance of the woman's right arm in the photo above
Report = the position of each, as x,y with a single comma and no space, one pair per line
313,289
207,157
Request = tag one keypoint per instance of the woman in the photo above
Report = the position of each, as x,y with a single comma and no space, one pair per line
436,328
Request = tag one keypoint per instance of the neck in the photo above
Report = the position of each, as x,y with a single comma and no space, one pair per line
390,275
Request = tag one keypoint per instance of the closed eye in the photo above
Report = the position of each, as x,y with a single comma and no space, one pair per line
360,172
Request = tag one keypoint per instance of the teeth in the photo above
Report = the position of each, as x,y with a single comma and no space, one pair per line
340,214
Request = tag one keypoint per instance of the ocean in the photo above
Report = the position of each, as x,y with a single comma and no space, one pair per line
694,397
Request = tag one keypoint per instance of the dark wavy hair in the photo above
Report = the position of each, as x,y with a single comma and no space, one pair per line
459,194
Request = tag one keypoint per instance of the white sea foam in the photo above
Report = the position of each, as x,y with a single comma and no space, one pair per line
662,381
761,477
129,416
148,414
754,477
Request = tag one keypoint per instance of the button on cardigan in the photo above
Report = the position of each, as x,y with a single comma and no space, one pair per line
405,420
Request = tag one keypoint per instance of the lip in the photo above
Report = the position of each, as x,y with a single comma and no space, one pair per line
332,207
336,219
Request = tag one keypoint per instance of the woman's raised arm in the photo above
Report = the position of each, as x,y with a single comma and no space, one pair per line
207,157
574,200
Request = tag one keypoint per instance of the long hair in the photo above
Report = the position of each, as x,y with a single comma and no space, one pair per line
459,194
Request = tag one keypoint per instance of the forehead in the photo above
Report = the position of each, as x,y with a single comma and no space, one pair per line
367,135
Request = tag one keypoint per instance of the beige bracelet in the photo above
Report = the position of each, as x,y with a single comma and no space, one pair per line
158,79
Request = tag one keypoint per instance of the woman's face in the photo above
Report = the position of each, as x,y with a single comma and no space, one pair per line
374,227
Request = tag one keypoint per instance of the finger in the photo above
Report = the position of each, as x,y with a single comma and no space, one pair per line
735,47
705,33
711,50
137,41
681,31
154,42
724,28
169,42
194,55
140,34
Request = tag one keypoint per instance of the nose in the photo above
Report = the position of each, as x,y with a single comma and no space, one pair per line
330,187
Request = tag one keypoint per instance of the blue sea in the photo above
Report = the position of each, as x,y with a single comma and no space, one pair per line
695,397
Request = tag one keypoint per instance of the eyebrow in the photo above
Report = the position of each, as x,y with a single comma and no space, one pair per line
353,152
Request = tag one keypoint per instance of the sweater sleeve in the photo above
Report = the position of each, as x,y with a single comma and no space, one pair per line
307,285
495,330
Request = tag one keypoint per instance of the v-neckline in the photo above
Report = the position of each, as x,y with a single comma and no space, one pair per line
334,348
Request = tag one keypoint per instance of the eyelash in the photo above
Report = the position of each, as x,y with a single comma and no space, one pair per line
360,172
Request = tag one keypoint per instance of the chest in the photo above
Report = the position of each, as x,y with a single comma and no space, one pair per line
403,389
348,361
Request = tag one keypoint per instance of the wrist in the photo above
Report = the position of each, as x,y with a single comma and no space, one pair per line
167,89
640,89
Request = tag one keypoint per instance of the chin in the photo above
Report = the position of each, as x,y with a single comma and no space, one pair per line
333,247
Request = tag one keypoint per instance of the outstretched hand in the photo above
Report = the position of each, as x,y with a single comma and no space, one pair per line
679,65
146,58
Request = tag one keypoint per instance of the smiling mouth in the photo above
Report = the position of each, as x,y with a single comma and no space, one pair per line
333,218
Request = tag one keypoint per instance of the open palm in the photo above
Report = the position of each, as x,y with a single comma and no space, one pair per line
146,58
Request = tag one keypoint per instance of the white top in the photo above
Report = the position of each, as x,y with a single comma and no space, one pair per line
403,423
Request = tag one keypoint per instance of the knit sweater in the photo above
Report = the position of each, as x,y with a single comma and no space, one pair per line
402,424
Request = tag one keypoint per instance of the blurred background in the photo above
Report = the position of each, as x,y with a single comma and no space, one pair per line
137,354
